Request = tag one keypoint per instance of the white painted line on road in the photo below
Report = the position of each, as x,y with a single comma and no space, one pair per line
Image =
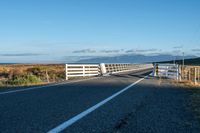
39,87
74,119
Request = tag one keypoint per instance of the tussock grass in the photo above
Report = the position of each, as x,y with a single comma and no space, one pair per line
31,74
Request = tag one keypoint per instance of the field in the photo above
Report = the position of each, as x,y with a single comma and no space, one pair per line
29,74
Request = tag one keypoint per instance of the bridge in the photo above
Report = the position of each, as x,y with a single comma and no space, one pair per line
116,98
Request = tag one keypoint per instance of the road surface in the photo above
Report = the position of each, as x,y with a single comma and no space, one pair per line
144,106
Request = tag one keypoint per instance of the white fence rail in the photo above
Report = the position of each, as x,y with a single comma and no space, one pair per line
86,70
167,70
114,68
82,70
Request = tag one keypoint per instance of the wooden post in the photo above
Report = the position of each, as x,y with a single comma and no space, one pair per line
47,76
195,75
189,74
166,71
83,70
66,72
198,74
179,73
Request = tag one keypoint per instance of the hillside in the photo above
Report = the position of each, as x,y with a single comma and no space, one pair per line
193,61
132,58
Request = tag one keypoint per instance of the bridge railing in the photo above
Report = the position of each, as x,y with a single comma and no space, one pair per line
167,71
87,70
82,70
114,68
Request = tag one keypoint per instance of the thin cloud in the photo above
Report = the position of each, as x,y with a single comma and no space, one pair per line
176,51
198,54
196,50
140,50
178,47
85,51
21,54
110,51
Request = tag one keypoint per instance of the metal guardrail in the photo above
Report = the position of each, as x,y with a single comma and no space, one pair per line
86,70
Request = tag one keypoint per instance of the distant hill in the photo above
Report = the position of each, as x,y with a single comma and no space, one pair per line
132,58
194,61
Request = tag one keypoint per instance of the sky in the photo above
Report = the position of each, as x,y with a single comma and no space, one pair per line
67,30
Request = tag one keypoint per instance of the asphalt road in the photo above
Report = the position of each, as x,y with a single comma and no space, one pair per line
149,106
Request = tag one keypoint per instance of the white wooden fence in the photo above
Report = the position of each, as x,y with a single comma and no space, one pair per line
86,70
167,70
115,68
82,70
184,73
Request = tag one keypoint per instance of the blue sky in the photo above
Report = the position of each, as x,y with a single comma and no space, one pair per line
64,30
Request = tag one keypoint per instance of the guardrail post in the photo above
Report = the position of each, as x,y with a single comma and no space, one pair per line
66,72
103,69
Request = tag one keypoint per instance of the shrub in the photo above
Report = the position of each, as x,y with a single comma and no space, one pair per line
24,79
36,71
1,83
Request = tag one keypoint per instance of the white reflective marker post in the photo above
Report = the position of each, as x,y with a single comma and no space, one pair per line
103,68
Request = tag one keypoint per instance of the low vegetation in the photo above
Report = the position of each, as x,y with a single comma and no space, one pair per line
194,101
17,75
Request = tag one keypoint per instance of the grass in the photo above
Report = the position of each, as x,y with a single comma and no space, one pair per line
24,79
193,96
29,74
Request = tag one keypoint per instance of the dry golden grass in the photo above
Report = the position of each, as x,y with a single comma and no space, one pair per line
187,84
194,95
44,72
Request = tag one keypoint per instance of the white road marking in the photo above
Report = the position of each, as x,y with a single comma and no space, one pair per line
74,119
39,87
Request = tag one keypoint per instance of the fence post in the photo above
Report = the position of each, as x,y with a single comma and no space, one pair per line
83,70
195,75
66,72
103,69
179,72
198,74
154,70
47,76
189,74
